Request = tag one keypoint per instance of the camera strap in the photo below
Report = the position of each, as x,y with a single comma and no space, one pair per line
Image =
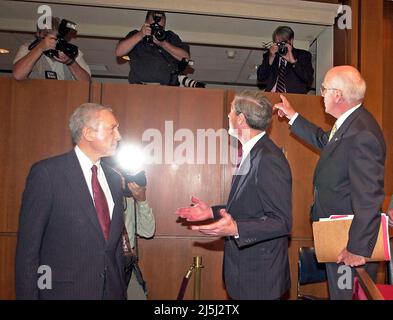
174,69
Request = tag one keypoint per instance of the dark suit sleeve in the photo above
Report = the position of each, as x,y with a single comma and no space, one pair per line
264,69
303,67
33,218
274,192
366,176
309,132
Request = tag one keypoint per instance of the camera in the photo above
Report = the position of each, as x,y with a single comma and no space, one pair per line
139,178
157,30
282,49
65,28
185,81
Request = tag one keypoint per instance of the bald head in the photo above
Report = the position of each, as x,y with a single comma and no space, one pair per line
349,81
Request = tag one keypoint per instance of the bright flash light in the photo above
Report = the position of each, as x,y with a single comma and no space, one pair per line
130,158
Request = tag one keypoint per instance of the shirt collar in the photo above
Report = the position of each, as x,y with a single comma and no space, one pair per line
84,160
340,120
251,143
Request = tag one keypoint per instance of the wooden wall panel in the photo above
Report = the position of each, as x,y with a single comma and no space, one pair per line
371,55
165,261
346,41
7,271
35,116
388,93
140,108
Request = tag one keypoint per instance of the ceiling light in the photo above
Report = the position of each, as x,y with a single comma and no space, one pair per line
126,58
230,54
4,51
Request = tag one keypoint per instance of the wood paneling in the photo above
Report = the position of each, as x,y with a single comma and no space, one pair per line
165,261
7,272
371,55
34,117
388,93
346,41
170,111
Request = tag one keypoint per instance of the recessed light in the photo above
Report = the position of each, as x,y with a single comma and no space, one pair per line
4,51
126,58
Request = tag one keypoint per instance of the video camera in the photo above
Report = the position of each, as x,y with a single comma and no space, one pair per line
65,28
157,30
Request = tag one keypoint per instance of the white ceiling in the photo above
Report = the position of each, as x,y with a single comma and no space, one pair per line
210,38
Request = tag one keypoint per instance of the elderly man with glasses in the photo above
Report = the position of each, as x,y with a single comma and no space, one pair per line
349,176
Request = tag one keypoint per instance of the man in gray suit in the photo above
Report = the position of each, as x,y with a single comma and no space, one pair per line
71,219
349,176
257,220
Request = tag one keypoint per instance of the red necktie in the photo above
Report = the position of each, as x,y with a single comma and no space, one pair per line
100,203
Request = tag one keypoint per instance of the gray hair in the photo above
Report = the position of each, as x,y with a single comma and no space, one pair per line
284,31
256,108
85,116
351,83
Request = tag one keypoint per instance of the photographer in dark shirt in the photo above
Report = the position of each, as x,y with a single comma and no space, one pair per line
284,68
152,60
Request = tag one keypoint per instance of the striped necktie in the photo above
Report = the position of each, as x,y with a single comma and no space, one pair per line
332,132
281,77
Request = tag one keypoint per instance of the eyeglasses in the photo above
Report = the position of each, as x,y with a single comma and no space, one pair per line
323,89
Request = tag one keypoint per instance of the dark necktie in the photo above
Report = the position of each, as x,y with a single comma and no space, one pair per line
281,77
100,203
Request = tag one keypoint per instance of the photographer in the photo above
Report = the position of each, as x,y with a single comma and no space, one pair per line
284,68
138,221
154,52
33,61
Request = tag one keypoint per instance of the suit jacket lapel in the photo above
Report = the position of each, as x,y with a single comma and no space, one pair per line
336,140
78,185
244,171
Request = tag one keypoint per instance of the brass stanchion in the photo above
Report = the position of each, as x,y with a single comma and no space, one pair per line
197,280
195,268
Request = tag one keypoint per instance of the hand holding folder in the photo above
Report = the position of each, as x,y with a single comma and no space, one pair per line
331,237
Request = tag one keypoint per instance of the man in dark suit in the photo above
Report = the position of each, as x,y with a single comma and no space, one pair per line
284,68
349,176
71,219
256,221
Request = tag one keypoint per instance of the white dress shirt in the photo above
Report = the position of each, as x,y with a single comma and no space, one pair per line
249,145
86,166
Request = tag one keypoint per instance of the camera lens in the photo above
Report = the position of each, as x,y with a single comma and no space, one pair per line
160,34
